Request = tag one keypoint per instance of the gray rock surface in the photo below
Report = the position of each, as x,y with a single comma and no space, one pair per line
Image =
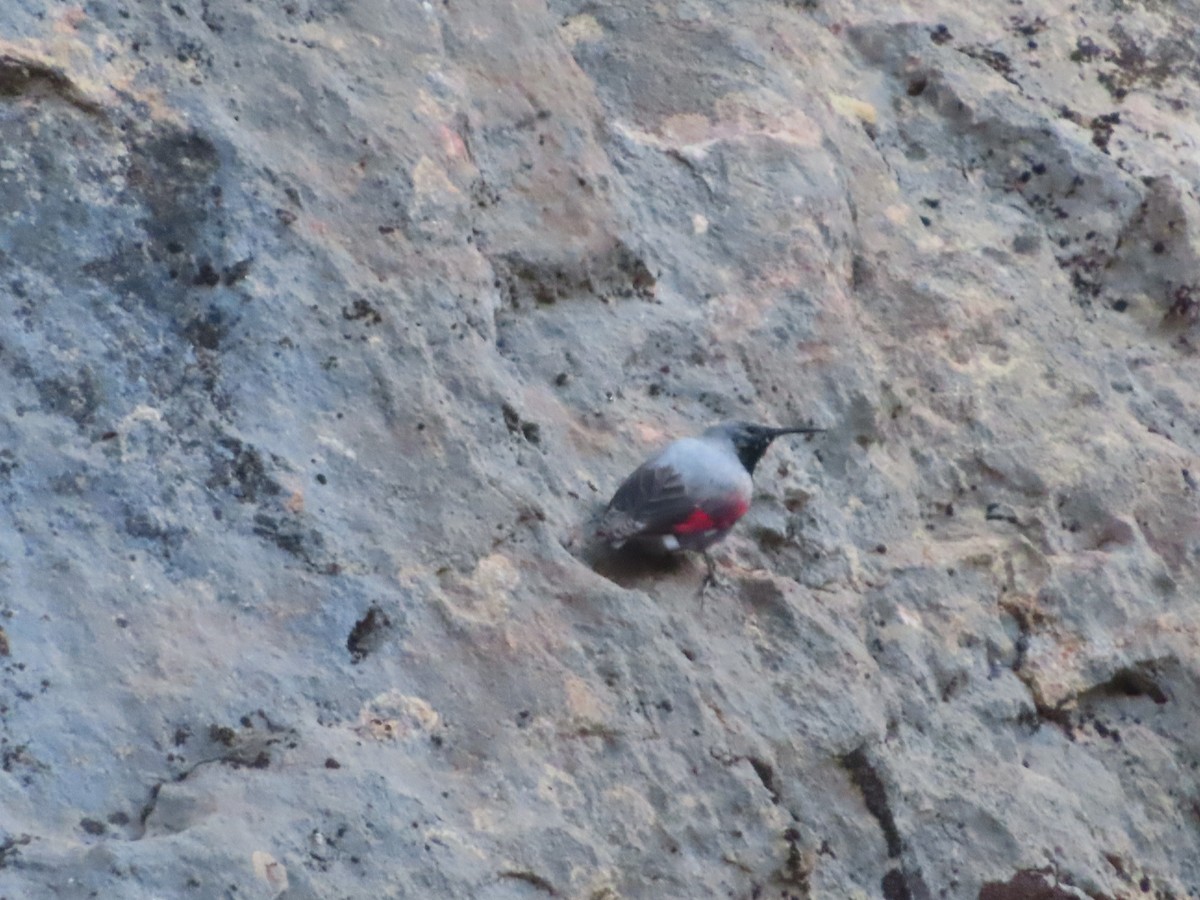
326,327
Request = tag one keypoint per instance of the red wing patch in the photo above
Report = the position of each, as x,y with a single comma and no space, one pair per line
699,520
720,519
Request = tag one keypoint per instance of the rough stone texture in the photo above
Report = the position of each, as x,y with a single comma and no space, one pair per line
326,326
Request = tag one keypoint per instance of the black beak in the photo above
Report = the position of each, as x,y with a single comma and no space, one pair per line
773,433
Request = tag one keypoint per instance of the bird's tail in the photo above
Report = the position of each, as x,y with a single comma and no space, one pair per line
616,527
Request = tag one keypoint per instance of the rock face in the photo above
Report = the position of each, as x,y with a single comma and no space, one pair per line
326,327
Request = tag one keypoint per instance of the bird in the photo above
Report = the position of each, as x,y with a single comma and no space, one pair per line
690,494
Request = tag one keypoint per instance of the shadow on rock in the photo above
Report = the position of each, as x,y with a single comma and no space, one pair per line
630,567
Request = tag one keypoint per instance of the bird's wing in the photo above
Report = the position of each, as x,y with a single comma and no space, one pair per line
651,501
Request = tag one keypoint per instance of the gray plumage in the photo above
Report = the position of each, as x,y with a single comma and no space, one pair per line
690,494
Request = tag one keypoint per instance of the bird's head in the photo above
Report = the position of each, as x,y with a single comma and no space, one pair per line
751,441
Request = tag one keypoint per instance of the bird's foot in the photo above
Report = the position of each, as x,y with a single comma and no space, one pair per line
711,579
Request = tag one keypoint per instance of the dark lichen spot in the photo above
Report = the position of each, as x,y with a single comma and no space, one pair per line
93,826
361,310
1085,50
286,535
512,419
206,275
240,468
74,396
895,886
368,633
1102,129
222,734
233,274
206,332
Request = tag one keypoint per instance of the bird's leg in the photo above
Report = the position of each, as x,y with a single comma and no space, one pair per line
710,576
